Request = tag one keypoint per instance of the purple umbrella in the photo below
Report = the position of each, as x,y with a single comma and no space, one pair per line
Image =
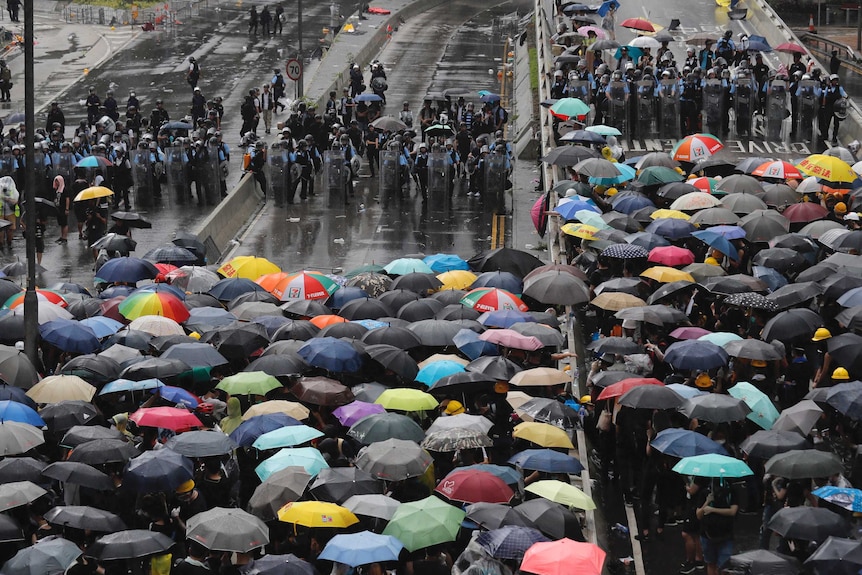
353,412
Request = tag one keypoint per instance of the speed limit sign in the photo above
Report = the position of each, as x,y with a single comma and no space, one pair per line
294,69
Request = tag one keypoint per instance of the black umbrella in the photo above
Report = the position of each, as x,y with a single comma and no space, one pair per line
510,260
116,243
651,397
495,515
84,517
569,155
10,531
64,415
791,325
347,330
457,311
285,347
338,484
237,342
171,254
449,296
129,544
103,451
794,294
753,349
435,332
191,243
306,308
154,367
808,523
278,365
396,299
620,345
79,474
16,369
21,469
725,285
551,411
399,337
838,284
497,367
132,219
766,443
79,434
837,556
851,318
96,369
12,328
552,519
298,329
763,562
364,308
804,464
417,282
420,309
462,383
845,350
253,297
393,359
201,444
669,289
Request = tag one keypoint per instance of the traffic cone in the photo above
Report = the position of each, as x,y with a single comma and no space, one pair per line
811,27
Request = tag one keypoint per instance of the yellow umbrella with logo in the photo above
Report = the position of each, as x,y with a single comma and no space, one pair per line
583,231
456,279
93,193
317,514
666,213
249,267
543,434
828,168
666,274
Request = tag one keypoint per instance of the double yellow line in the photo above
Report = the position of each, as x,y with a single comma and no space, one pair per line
498,231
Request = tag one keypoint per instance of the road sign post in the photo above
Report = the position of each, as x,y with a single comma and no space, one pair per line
293,69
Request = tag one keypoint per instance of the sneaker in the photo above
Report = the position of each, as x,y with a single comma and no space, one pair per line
687,568
699,566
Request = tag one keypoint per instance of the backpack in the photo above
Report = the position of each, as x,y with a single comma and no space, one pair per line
503,115
279,81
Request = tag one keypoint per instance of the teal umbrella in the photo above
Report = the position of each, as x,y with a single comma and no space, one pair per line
603,130
286,437
404,266
431,373
308,458
712,465
763,411
627,173
719,338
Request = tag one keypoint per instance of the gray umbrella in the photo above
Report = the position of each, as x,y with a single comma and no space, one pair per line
78,474
18,438
597,168
9,530
129,544
21,469
763,562
79,434
379,506
337,484
496,367
651,397
804,464
569,155
280,488
49,556
764,225
19,493
545,334
195,354
799,418
368,392
449,440
715,217
715,408
551,411
435,332
752,349
808,523
793,294
382,426
557,288
393,459
495,515
228,529
766,443
740,184
201,444
84,517
613,344
104,451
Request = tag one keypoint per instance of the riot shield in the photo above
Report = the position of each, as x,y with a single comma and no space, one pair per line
618,106
390,178
7,165
279,175
809,107
63,164
176,172
713,104
142,176
335,174
776,109
744,99
211,176
496,176
646,108
669,109
439,176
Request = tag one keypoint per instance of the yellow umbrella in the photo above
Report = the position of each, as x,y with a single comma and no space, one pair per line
317,514
615,301
250,267
443,357
57,388
665,274
456,279
563,493
539,376
582,231
543,434
92,193
403,399
665,213
829,168
291,408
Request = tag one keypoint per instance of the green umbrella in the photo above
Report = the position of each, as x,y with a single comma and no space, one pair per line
712,465
763,411
658,175
286,437
367,268
423,523
249,383
567,108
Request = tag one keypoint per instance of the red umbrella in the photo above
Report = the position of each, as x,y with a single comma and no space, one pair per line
671,256
791,48
474,486
805,212
540,219
563,557
641,24
109,309
619,388
171,418
164,270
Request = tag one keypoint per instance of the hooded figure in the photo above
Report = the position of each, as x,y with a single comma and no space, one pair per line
234,416
9,205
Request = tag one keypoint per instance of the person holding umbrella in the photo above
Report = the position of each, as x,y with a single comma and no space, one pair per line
716,516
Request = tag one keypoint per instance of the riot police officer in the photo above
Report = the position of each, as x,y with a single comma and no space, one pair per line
834,108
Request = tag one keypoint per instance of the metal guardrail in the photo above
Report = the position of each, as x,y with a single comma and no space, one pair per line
825,46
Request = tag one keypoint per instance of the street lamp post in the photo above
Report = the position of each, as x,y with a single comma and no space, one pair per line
299,86
31,325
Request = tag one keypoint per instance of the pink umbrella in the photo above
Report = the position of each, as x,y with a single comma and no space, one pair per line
353,412
563,557
671,256
585,31
689,332
540,218
511,338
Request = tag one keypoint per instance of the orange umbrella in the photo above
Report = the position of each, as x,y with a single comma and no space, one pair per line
322,321
619,388
269,281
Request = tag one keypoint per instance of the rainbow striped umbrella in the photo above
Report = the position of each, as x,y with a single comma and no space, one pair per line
162,304
41,295
304,285
493,299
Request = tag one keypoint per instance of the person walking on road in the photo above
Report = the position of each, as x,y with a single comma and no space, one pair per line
278,85
5,82
716,522
13,6
257,164
278,20
834,63
194,73
252,20
267,103
265,20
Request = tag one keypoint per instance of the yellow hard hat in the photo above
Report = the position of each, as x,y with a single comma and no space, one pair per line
840,373
821,334
703,381
195,335
840,208
501,387
711,261
186,486
586,399
758,363
454,407
611,192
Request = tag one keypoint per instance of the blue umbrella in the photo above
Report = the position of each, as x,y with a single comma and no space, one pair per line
286,437
126,270
846,497
116,291
368,98
361,548
102,326
501,280
332,354
468,342
12,393
344,295
695,354
631,203
771,277
567,210
14,411
507,474
87,162
177,395
248,431
729,232
431,373
505,318
153,471
606,7
546,460
758,44
510,542
671,228
442,263
370,324
70,336
489,97
685,391
634,52
162,288
718,242
685,443
627,173
123,385
229,288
